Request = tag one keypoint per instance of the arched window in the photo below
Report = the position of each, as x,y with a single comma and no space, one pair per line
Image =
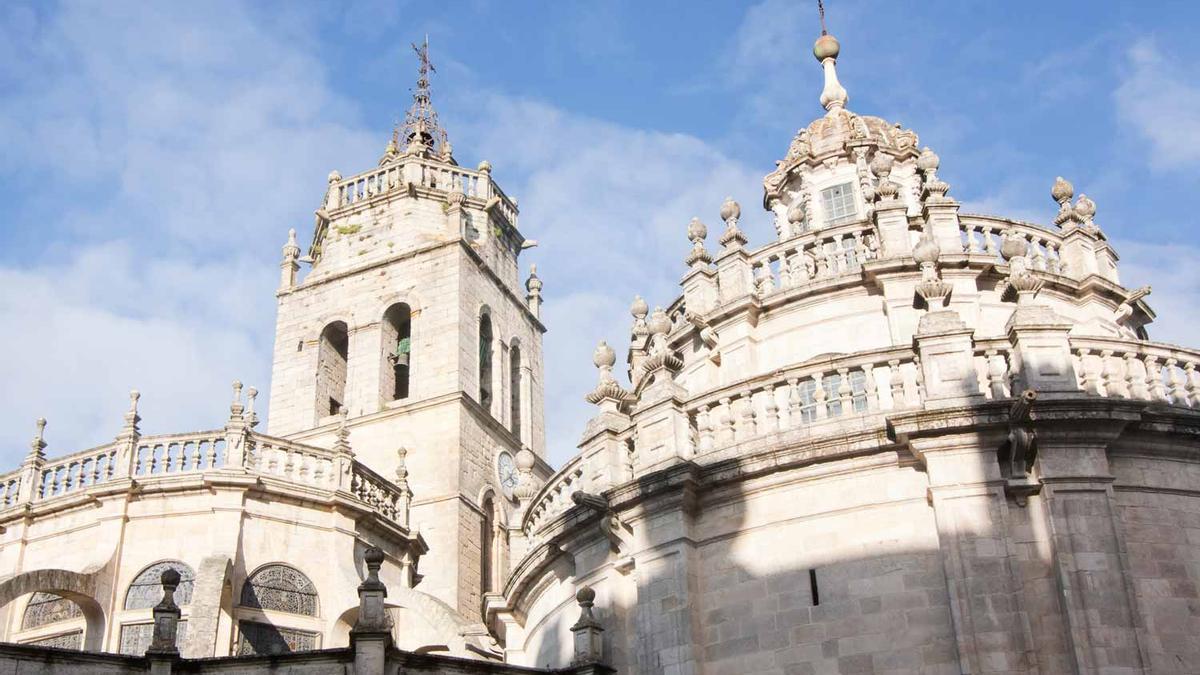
514,388
46,608
397,352
280,588
487,545
146,590
331,369
485,360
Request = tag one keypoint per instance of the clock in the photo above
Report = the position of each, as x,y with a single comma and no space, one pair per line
506,472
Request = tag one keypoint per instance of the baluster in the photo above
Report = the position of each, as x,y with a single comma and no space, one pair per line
1039,256
771,418
918,382
841,262
1189,376
972,241
727,431
823,260
895,383
870,387
785,275
795,403
747,427
819,407
1178,393
861,253
1054,263
1136,385
1154,379
704,429
989,244
845,391
1110,376
993,373
1086,375
155,461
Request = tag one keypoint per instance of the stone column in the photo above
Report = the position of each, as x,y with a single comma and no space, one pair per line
1089,556
372,632
163,652
966,490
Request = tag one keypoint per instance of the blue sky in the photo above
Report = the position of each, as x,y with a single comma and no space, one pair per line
155,156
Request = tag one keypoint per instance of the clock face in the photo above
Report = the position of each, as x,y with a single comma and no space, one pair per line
506,469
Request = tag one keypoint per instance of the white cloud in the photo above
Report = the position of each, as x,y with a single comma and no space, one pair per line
1162,105
1171,271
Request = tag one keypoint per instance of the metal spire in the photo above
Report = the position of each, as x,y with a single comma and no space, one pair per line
421,131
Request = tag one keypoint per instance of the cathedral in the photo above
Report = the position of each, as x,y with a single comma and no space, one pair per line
896,438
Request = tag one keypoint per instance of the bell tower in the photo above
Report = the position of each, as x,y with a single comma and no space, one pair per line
413,323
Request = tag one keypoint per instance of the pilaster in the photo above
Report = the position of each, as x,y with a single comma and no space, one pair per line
733,275
891,221
942,217
945,345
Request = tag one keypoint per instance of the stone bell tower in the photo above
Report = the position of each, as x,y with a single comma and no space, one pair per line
414,325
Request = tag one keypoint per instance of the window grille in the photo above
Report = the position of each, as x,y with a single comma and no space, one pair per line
255,637
146,590
45,608
839,204
280,588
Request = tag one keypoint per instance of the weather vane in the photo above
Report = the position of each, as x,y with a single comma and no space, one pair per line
821,13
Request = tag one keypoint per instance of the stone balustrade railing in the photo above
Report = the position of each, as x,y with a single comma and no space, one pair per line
161,457
982,235
993,367
819,389
180,453
430,175
555,496
1137,370
813,256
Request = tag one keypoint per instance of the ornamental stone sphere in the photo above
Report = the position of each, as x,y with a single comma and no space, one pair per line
697,230
826,47
1085,208
585,595
928,161
796,212
881,165
604,356
484,166
1013,244
926,250
525,459
335,176
659,322
170,577
1062,190
730,210
373,555
638,308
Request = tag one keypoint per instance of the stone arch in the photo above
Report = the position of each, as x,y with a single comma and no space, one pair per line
486,336
145,591
517,405
280,587
333,358
78,588
398,356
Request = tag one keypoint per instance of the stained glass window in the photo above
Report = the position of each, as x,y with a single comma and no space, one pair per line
255,637
44,608
280,588
146,590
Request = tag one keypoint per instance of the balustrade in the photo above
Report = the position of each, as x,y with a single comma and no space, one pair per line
1137,370
430,175
75,472
292,462
555,496
805,394
813,256
982,235
187,453
10,489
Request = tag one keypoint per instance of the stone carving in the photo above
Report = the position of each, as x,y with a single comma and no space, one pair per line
1125,309
697,231
1020,450
607,388
1061,193
619,534
587,630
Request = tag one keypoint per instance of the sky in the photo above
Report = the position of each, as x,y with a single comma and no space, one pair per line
155,155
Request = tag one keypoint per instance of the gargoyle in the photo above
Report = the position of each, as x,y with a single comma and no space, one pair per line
1020,450
1125,309
619,535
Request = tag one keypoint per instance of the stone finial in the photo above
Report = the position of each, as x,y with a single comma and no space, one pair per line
485,167
833,95
730,210
251,416
881,166
527,483
372,612
1013,244
1061,192
607,394
932,289
236,408
131,416
732,238
1015,249
291,250
166,616
588,631
402,466
37,447
342,444
933,189
533,292
660,323
639,309
1085,211
291,261
335,176
697,231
